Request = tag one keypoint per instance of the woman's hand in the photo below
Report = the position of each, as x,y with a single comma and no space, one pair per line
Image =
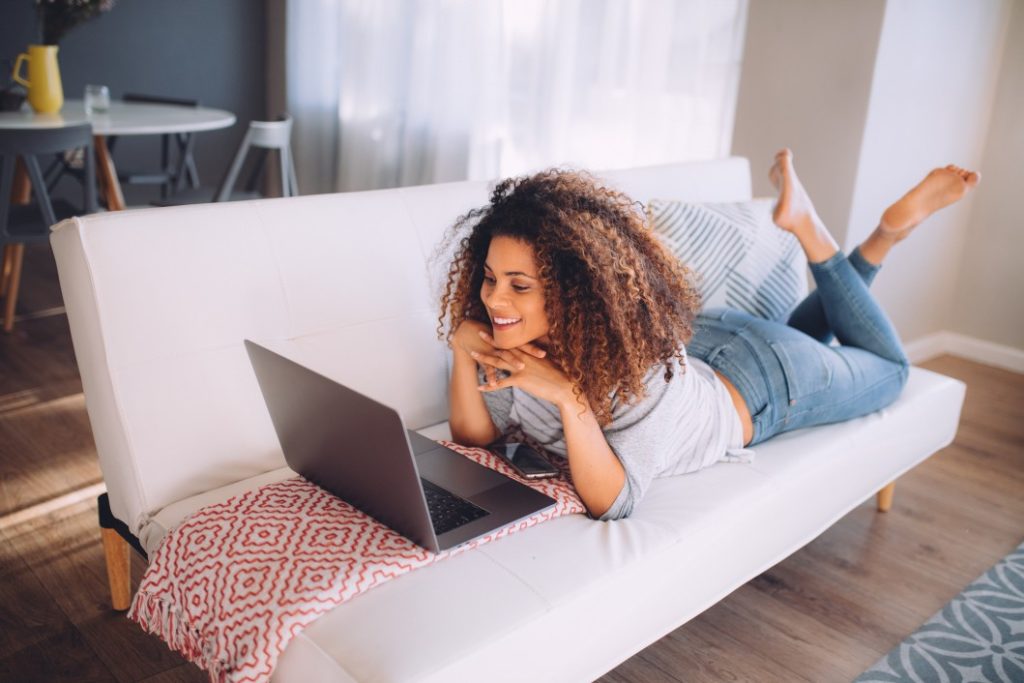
475,337
535,375
597,473
467,337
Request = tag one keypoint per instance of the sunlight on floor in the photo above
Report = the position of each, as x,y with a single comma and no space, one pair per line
52,505
39,398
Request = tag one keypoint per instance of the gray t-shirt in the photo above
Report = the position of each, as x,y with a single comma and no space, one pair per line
680,426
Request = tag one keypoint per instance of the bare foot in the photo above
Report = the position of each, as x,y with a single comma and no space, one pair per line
939,189
795,213
793,210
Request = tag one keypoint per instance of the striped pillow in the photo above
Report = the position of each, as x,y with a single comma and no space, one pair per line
741,258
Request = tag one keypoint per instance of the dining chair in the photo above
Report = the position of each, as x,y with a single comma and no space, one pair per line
173,176
263,137
21,224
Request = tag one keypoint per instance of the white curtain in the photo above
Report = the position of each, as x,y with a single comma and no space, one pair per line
389,93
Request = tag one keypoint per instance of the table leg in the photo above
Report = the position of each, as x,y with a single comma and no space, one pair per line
21,188
21,193
107,175
6,267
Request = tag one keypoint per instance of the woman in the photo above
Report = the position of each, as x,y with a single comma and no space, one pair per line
568,317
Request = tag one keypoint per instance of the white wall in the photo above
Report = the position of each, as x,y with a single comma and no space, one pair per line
871,96
931,100
804,84
989,297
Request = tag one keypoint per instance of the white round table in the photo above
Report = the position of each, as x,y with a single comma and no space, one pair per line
123,118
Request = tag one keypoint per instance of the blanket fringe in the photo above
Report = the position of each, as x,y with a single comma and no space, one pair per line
161,617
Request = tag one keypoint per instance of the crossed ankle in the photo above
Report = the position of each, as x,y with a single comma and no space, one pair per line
829,261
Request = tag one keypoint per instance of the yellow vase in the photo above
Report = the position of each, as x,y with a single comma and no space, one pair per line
45,93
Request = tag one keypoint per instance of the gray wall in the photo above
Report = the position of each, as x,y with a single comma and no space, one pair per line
805,84
989,300
925,113
854,88
212,51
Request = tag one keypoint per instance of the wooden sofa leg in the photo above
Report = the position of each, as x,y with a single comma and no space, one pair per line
119,568
885,497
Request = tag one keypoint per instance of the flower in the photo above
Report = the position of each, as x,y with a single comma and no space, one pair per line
57,17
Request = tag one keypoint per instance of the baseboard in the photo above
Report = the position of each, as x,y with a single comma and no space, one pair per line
926,348
971,348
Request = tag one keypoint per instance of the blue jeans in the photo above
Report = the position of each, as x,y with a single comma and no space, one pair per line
788,374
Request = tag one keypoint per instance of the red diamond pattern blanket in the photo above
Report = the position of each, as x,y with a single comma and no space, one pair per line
233,583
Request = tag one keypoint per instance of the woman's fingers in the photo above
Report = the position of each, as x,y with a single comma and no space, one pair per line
500,359
529,348
534,350
486,337
509,381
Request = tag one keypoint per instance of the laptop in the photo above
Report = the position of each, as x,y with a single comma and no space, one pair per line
359,450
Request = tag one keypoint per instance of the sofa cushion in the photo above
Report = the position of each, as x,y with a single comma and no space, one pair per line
742,259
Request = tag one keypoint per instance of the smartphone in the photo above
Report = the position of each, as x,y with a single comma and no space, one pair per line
526,461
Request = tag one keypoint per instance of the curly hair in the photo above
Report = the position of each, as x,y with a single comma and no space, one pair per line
618,302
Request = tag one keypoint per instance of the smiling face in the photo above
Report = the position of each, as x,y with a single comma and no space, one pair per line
512,294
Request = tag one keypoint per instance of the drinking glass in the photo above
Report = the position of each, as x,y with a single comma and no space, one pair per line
97,99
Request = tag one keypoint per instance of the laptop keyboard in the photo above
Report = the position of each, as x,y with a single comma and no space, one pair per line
448,511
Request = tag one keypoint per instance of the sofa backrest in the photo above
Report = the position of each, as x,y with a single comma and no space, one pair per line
160,300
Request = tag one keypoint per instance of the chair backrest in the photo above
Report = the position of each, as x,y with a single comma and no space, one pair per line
159,99
271,134
265,135
22,141
29,143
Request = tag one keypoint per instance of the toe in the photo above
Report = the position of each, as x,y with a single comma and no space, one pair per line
973,178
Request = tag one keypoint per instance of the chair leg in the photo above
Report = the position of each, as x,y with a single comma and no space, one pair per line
13,283
5,268
119,568
885,497
282,155
293,183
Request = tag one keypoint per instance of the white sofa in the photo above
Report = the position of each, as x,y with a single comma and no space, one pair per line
160,300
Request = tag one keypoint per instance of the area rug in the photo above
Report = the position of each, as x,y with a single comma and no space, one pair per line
978,636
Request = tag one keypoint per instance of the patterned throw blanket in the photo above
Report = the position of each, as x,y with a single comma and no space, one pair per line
231,585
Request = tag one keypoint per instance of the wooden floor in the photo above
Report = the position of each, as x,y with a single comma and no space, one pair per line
824,614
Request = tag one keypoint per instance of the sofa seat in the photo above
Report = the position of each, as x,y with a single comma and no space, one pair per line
715,529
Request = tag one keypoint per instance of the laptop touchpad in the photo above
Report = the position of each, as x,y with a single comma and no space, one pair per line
457,473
